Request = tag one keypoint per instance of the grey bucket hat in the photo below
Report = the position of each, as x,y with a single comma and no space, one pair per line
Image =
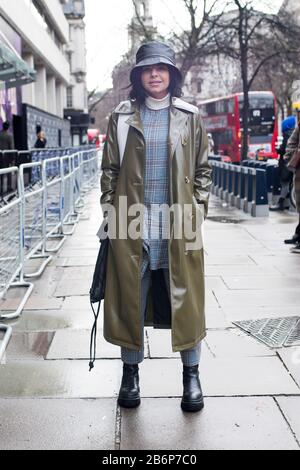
155,53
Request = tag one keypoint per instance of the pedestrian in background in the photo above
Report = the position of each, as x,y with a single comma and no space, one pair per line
286,176
292,146
6,143
165,161
41,141
211,145
6,140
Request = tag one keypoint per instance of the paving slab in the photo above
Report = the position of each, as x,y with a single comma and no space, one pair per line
290,407
52,320
246,376
224,424
60,379
235,343
78,303
244,312
286,260
78,272
160,345
73,287
72,261
258,298
210,299
215,282
291,359
242,270
34,424
212,260
235,250
33,303
215,318
89,241
79,253
28,346
260,282
75,344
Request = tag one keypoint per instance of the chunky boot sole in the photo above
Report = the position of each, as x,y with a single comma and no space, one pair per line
129,403
192,406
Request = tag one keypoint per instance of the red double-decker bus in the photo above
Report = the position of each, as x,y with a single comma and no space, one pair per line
223,119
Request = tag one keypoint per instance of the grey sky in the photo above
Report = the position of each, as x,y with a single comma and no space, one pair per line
106,32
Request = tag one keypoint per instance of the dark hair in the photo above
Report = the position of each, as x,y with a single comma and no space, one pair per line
6,126
138,92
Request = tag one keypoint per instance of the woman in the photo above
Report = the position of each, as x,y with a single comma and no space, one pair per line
154,280
292,145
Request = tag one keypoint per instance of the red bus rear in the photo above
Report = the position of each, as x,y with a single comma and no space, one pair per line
223,119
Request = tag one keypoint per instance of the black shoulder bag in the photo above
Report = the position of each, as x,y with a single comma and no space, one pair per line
97,290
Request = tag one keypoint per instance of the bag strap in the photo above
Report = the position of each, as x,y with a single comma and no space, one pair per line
122,133
93,339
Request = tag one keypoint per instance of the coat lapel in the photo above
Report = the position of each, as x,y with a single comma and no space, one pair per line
135,121
178,119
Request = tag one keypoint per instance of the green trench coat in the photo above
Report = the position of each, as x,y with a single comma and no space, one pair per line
190,177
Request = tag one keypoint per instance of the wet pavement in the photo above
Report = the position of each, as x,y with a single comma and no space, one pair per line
49,400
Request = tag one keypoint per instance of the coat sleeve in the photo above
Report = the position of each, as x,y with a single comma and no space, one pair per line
110,163
293,144
203,170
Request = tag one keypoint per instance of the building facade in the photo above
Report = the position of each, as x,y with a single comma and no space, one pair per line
77,102
40,29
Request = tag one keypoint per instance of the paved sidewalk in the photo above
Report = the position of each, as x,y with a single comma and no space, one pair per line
49,400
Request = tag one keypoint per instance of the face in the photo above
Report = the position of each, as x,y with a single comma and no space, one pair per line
156,80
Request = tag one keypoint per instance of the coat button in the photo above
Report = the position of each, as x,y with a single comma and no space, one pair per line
187,180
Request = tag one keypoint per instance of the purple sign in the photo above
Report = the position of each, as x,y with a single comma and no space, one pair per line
10,100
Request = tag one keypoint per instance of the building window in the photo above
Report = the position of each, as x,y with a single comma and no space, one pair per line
69,57
199,87
70,97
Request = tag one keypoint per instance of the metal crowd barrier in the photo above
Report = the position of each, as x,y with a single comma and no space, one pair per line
242,187
33,217
52,204
11,247
5,340
36,214
273,177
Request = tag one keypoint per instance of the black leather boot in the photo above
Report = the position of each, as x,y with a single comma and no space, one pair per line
294,240
129,395
279,207
192,399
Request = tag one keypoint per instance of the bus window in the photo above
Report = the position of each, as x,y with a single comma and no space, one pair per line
231,106
211,109
258,102
220,107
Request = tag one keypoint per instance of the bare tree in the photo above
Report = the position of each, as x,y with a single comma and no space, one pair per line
254,39
195,44
93,104
279,75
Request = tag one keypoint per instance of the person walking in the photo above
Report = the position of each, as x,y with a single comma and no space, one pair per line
153,280
211,145
292,146
6,140
286,177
